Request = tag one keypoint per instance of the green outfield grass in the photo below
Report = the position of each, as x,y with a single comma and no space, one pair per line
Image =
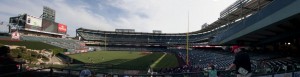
106,57
142,63
110,59
168,61
125,59
29,44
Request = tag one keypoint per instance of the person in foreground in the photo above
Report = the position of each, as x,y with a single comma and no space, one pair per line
241,62
7,63
212,72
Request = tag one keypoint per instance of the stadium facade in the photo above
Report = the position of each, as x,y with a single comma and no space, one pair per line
28,25
43,29
236,12
281,34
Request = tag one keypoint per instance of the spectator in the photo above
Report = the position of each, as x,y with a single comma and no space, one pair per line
7,63
212,72
241,62
85,73
150,71
51,71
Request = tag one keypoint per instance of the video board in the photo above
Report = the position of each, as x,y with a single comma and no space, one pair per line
33,22
49,26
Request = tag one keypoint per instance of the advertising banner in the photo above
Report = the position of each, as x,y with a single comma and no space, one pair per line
15,35
62,28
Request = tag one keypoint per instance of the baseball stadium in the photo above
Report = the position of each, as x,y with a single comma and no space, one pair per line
250,38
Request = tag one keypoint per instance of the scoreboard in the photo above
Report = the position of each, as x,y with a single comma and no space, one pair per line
33,22
28,22
49,26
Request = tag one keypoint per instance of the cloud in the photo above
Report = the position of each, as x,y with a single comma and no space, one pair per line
170,16
215,0
73,15
78,15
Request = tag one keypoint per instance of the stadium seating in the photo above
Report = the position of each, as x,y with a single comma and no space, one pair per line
131,48
202,58
111,38
59,42
261,63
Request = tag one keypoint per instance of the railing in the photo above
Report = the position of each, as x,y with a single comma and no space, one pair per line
280,74
233,7
73,72
57,72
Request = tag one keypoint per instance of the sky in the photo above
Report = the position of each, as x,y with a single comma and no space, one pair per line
169,16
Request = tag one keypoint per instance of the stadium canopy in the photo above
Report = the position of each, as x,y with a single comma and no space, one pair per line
235,12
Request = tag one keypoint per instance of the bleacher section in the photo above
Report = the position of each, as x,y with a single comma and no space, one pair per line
202,58
59,42
89,36
280,65
129,48
261,63
137,38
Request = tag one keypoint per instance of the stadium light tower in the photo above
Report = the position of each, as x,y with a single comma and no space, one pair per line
48,13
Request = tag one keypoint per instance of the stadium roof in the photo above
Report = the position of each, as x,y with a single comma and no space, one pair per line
236,11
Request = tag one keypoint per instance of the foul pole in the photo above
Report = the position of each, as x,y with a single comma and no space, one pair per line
187,40
104,41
